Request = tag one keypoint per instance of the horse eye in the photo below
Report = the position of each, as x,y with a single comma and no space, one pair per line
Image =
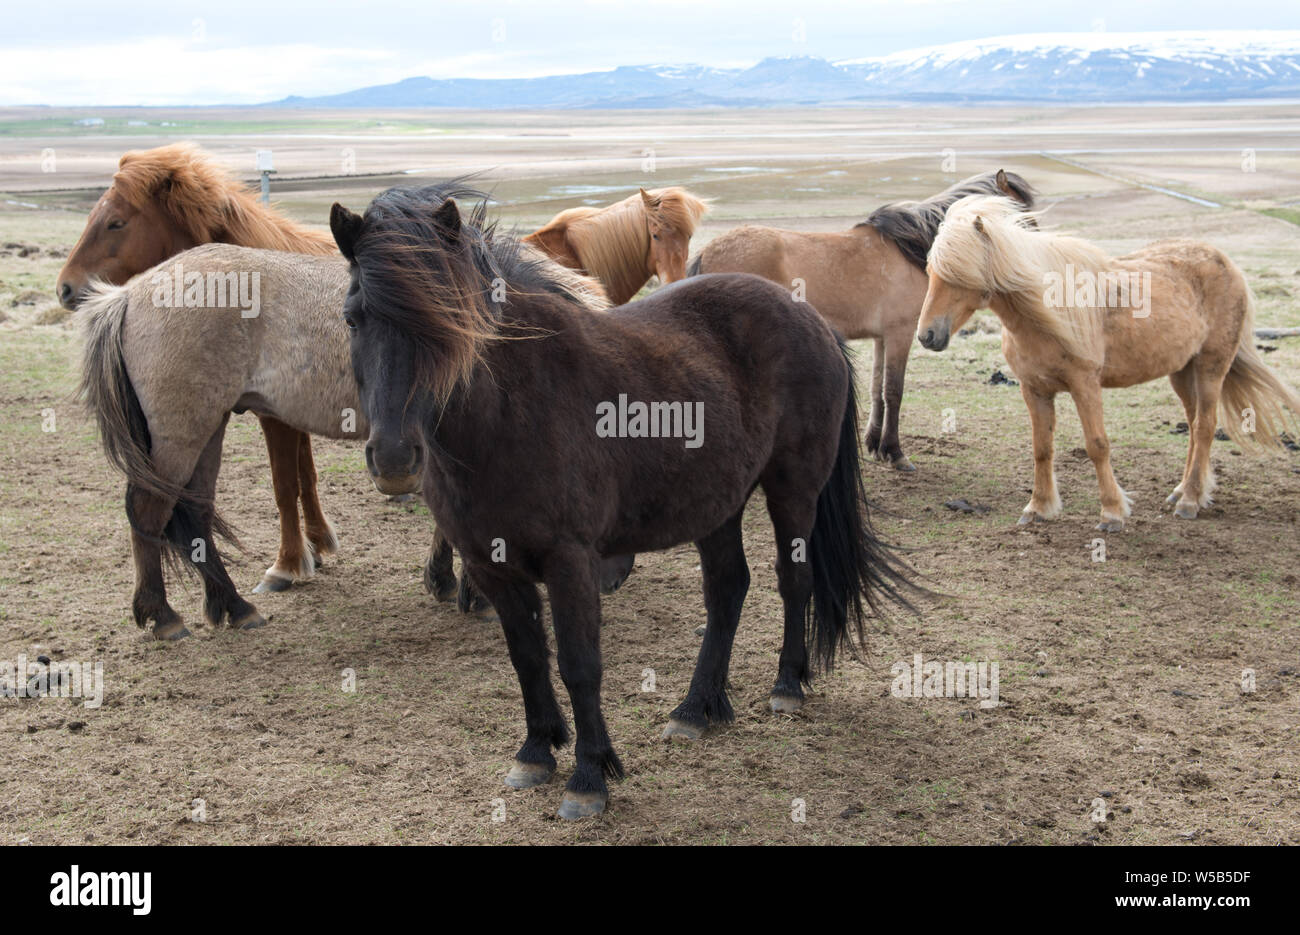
116,225
350,322
655,236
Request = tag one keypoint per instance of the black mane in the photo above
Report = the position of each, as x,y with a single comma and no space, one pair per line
911,225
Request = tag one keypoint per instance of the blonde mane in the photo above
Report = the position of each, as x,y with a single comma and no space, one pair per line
208,203
991,244
613,243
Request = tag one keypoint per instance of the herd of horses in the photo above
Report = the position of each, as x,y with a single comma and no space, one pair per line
473,362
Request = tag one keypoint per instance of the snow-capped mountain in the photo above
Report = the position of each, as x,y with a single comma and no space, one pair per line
1066,67
1096,66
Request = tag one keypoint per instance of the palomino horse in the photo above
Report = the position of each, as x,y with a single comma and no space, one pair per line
504,412
868,282
215,330
626,243
166,200
1075,320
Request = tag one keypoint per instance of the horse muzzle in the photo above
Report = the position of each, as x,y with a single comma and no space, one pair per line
935,337
396,469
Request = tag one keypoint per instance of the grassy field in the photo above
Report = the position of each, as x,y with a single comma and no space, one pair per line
1121,680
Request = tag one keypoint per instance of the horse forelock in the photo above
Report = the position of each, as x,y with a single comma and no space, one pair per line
208,203
447,298
680,208
1006,253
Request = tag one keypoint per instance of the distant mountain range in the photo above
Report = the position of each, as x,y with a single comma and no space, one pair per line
1063,67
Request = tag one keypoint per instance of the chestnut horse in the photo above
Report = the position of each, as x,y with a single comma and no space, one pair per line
166,200
1075,320
868,282
626,243
496,409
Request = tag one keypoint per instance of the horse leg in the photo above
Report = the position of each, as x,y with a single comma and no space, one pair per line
1184,384
1199,484
1115,503
520,609
469,599
1045,503
875,423
571,577
221,597
897,349
726,581
148,513
294,558
439,579
320,531
792,520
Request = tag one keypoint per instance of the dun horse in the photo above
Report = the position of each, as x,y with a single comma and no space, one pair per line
502,412
166,200
1075,320
868,282
626,243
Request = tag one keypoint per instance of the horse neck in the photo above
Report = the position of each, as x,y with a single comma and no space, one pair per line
248,224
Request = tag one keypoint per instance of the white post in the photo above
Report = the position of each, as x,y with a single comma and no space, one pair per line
266,167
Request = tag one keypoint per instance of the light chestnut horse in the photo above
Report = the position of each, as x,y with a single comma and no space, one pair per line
1075,320
868,282
164,367
166,200
625,243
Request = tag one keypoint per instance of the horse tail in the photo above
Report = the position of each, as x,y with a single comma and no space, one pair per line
693,268
1254,400
108,393
850,563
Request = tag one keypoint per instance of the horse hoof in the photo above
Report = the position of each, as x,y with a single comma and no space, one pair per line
699,631
784,704
1110,525
1187,511
250,621
680,730
901,463
273,584
1174,497
170,632
528,775
402,498
582,805
1027,518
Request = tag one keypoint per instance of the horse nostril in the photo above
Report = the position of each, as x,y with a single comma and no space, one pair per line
65,295
929,337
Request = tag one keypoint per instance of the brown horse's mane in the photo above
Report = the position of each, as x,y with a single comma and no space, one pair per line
447,298
208,203
911,225
612,242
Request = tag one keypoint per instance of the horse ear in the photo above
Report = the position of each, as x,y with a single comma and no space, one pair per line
649,200
346,227
1003,186
447,217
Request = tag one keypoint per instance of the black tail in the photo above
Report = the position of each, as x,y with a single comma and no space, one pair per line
693,267
110,396
849,562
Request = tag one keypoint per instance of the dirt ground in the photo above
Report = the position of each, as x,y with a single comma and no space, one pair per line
1121,681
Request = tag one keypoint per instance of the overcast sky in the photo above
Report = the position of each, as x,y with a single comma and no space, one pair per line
160,52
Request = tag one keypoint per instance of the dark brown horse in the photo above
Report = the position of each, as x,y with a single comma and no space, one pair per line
869,282
164,201
547,437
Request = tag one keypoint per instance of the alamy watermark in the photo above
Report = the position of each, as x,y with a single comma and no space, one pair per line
179,288
1082,288
952,679
636,419
41,678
